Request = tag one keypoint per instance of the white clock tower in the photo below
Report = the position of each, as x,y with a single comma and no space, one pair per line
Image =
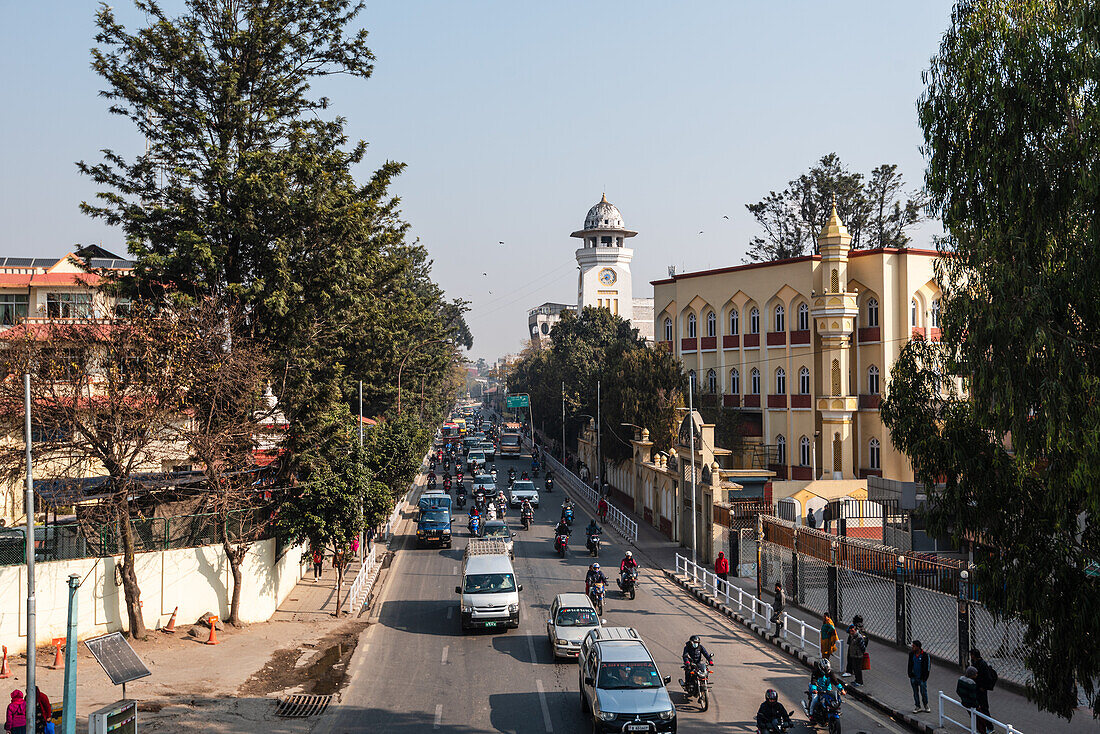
604,262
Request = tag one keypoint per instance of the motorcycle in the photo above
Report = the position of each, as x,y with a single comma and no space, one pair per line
697,684
474,526
502,508
593,545
567,515
776,726
527,517
826,713
561,542
511,476
597,592
493,473
628,582
549,483
431,481
431,465
458,477
460,498
447,485
535,469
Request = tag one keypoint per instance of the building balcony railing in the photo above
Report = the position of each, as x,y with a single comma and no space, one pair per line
868,334
800,401
864,473
689,344
916,332
752,401
731,341
777,338
708,343
869,402
934,334
802,473
779,469
800,337
777,401
731,401
752,340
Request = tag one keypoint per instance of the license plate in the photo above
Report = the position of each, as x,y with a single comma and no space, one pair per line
637,727
490,624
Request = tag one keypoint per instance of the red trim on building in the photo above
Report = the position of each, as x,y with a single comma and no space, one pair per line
752,401
779,469
916,333
752,340
869,334
801,336
777,401
731,401
666,527
869,402
665,345
709,342
802,473
777,338
934,334
731,341
689,344
800,401
864,473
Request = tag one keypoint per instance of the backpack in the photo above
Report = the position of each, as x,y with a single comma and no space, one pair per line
992,676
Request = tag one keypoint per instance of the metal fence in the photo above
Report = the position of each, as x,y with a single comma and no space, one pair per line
616,518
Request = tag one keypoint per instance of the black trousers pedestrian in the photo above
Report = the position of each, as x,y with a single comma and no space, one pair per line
318,569
723,581
855,667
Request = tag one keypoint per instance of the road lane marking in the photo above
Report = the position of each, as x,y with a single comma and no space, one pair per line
450,612
445,649
454,570
438,716
531,647
545,708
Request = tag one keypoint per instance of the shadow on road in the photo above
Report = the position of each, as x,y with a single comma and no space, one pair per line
423,617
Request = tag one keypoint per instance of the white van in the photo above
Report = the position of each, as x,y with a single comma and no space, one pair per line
489,593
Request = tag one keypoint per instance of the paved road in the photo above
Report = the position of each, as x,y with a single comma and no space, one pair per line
421,673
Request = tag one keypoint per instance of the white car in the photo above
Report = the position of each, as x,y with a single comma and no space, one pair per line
572,616
523,491
475,460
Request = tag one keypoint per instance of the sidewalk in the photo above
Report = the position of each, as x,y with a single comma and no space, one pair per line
312,600
887,682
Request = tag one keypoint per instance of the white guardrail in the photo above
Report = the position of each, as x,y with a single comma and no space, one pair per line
970,723
616,518
364,580
750,606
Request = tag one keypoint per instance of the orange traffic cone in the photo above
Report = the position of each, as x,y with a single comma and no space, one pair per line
5,671
171,628
58,664
213,637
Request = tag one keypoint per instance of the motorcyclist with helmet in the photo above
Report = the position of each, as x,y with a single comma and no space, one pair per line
562,528
771,711
526,511
821,679
628,562
694,652
593,576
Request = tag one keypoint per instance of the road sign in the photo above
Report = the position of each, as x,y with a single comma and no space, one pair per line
117,658
518,401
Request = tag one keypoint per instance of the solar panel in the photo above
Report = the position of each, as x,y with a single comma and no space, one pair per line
117,658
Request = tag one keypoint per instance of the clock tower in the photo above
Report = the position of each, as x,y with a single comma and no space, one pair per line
604,262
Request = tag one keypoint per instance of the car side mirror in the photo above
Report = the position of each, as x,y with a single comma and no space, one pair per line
458,589
513,534
668,679
589,680
519,588
603,621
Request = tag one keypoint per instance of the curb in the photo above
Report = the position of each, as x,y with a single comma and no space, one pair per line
765,634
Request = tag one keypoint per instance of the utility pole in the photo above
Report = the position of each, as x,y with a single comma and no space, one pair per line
563,423
360,414
599,442
691,432
68,713
28,542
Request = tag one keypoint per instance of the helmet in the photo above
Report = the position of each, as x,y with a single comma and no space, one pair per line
824,665
595,567
694,640
771,695
629,554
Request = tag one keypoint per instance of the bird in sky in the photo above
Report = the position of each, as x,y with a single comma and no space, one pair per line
700,231
725,216
486,274
490,293
500,243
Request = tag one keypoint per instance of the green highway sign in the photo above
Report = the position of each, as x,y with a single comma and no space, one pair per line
518,401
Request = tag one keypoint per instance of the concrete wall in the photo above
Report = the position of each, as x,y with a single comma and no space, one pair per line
195,579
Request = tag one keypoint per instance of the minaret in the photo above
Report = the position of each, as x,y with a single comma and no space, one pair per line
834,313
604,262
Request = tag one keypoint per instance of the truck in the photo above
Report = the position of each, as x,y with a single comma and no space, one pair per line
489,594
510,442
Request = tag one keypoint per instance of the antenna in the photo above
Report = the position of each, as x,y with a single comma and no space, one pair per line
672,271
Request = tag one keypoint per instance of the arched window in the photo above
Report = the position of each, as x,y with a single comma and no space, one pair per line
712,381
872,312
804,452
914,313
803,317
668,330
779,321
735,323
691,326
735,382
754,381
754,321
874,454
936,314
712,323
693,385
872,380
804,381
780,449
780,381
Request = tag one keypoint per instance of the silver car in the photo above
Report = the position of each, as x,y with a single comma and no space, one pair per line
572,616
523,490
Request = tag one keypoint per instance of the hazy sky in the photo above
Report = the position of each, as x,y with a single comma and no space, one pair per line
513,117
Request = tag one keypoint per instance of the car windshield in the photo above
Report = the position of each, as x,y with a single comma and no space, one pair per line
490,583
484,479
618,676
497,531
435,501
576,618
510,439
476,456
435,516
523,487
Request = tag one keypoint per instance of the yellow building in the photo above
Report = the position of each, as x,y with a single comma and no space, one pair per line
803,348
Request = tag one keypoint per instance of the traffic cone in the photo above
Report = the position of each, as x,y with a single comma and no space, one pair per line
5,671
171,628
58,664
213,636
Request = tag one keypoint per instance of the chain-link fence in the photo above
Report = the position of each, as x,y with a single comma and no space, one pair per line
778,566
1001,642
813,583
873,597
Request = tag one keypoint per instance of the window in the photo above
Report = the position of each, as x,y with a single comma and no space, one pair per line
804,381
874,454
691,380
803,317
836,377
872,380
780,449
69,305
936,314
872,312
913,313
735,325
779,313
712,324
804,452
780,381
712,381
691,326
668,330
754,321
754,381
735,382
13,308
834,282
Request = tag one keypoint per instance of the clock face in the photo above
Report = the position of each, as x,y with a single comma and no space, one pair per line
607,276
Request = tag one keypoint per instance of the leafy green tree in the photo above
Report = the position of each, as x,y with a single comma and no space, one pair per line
1010,117
644,387
393,450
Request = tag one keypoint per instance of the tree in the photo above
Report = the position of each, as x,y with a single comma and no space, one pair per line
889,217
1010,118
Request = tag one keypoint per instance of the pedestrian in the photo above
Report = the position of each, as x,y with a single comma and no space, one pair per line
355,546
722,571
601,508
967,688
920,665
318,563
16,721
777,608
370,537
857,645
826,517
811,519
828,637
986,681
43,710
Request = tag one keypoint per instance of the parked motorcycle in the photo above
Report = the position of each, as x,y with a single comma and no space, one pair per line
697,683
628,582
561,542
596,593
593,544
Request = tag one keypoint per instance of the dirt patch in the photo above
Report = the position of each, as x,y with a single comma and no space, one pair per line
325,673
152,707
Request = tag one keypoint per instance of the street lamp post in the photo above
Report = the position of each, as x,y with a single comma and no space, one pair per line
599,443
691,433
563,423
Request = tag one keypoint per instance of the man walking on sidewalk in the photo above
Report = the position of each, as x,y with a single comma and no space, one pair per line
722,571
920,665
986,680
778,606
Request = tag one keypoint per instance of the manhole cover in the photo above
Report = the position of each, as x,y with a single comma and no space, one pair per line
300,705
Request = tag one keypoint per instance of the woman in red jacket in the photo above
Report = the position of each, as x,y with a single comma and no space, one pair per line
722,570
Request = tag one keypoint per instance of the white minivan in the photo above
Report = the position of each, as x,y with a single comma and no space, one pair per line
489,593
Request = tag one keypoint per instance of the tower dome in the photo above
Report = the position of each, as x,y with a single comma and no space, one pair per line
604,215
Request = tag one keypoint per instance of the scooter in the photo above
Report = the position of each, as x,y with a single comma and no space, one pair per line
474,525
827,711
593,545
698,683
561,542
447,485
460,497
776,726
549,483
567,515
597,592
527,517
628,582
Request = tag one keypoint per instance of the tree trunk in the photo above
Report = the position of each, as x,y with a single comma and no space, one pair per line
339,585
129,575
236,560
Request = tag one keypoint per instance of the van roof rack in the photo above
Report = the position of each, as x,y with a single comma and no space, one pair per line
486,547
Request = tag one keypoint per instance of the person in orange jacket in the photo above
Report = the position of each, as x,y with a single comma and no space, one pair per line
722,570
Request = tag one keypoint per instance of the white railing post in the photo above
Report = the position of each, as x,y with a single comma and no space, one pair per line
973,721
941,709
